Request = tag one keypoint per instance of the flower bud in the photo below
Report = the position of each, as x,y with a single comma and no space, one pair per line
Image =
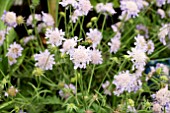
62,14
164,78
38,72
94,19
89,25
88,111
131,102
12,91
20,20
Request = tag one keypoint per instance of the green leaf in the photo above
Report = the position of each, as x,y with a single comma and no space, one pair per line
4,65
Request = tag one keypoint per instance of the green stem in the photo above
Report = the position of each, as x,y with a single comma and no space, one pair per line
57,6
104,21
92,73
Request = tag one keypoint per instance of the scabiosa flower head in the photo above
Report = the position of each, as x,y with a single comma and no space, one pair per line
140,42
115,43
165,68
9,18
80,56
105,8
151,47
129,8
18,2
15,50
12,91
11,59
161,12
28,38
138,57
67,90
95,35
84,6
163,32
143,29
44,60
105,87
75,15
69,44
37,17
125,81
162,97
47,19
55,36
41,26
157,108
2,37
159,3
115,27
96,57
65,3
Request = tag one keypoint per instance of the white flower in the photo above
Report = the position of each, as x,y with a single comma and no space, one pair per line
84,6
37,17
18,2
115,43
11,59
151,47
44,60
47,19
2,37
96,57
80,57
115,27
105,8
165,68
95,35
9,18
41,26
54,36
162,96
75,15
161,13
28,38
69,44
67,91
157,108
141,42
65,3
14,50
105,87
163,32
138,57
125,81
130,8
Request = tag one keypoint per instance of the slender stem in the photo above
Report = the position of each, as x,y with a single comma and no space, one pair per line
76,87
92,73
104,21
57,5
106,75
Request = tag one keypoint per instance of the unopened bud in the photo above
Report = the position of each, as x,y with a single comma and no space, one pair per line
20,20
94,19
89,25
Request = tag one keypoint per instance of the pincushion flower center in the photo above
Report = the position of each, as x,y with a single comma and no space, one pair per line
131,6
